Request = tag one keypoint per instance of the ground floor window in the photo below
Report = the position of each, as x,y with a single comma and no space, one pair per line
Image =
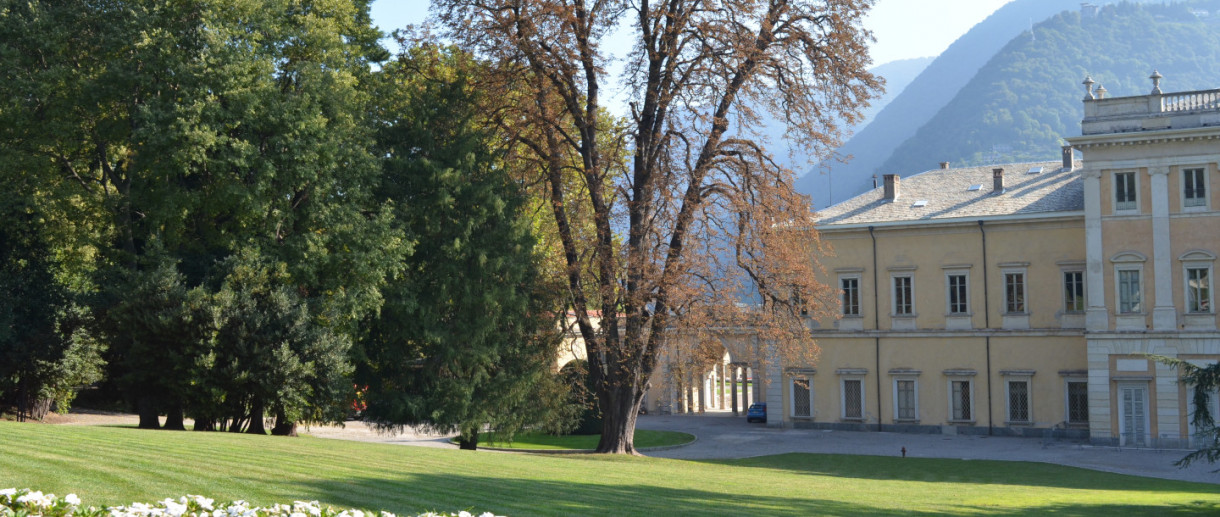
853,399
1018,401
1078,402
960,398
802,397
905,399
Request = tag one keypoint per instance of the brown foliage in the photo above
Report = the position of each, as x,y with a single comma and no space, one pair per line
671,221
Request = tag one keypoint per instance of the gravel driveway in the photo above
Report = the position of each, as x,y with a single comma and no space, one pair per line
721,435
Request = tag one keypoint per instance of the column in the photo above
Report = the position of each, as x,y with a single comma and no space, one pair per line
724,374
748,396
702,394
1097,318
733,384
1164,315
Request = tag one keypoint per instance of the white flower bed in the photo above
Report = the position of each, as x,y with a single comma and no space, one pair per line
28,503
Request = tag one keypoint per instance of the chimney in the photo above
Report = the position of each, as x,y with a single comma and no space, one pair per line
944,165
874,181
891,187
997,180
1067,157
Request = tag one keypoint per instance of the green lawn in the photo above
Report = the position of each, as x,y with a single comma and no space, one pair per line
108,465
542,441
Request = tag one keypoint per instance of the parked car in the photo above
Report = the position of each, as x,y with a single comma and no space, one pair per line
757,411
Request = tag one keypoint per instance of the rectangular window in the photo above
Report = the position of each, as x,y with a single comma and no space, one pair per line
903,295
1198,290
853,399
904,390
1018,401
960,398
802,398
1073,291
1194,184
1124,191
1014,292
851,296
1078,402
957,294
1129,291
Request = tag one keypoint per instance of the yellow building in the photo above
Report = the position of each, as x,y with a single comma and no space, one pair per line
1021,299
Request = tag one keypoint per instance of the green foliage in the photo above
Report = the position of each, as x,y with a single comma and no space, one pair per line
1202,381
467,335
584,397
201,138
1019,106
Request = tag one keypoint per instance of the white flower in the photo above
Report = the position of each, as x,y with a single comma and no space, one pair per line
174,508
72,499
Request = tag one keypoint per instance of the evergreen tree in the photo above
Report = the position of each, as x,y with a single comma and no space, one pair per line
467,336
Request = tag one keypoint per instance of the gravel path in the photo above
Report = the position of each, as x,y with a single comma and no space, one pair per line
722,436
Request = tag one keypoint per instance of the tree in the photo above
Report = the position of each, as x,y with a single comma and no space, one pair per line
199,132
700,218
1203,381
467,337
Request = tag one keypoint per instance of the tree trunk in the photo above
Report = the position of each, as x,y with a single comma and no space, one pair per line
204,424
256,419
283,427
147,408
174,420
469,441
618,422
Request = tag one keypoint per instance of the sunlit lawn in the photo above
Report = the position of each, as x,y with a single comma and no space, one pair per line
107,465
541,441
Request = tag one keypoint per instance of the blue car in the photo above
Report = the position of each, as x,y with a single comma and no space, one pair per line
757,411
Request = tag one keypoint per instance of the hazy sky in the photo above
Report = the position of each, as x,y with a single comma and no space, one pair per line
903,28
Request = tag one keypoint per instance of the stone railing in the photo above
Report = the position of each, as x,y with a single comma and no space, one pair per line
1175,110
1190,101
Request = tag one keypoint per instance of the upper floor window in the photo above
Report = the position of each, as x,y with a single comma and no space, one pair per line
851,295
1124,191
958,293
904,295
1198,289
1014,292
1073,291
1129,291
1194,187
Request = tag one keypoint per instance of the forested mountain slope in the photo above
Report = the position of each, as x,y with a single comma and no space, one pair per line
1028,97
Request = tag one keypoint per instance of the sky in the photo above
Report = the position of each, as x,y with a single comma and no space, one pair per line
904,28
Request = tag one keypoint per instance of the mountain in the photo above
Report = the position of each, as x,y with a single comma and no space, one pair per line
1023,101
898,74
920,100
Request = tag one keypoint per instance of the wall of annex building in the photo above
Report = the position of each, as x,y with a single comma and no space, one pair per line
931,363
1040,251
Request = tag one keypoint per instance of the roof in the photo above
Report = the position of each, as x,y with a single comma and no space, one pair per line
941,194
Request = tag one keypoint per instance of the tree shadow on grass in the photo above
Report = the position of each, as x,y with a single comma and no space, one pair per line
985,472
447,492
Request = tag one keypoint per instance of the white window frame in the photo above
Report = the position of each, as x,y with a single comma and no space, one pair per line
949,274
1004,274
843,296
792,379
1135,186
1067,400
1083,290
1202,204
1127,262
894,295
914,380
955,377
1198,259
1026,377
843,380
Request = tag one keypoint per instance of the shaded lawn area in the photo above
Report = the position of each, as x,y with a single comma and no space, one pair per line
107,465
541,441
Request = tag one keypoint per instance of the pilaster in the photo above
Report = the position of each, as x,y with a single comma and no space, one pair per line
1097,319
1164,316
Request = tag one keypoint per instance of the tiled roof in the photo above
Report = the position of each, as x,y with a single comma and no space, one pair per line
947,195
